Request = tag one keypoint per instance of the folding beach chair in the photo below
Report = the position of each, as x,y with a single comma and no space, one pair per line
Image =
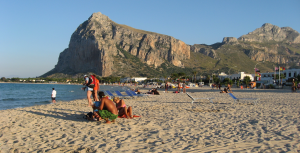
109,94
238,99
121,95
193,99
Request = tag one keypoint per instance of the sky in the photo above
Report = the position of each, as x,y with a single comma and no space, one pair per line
33,33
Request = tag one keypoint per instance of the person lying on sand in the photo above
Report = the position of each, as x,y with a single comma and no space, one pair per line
107,109
150,91
123,110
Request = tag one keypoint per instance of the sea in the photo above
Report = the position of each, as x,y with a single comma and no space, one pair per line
18,95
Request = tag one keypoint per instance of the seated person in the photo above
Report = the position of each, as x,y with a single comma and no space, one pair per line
107,109
229,88
155,92
224,91
151,91
121,106
138,91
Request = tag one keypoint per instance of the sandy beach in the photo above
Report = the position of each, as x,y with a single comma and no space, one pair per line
168,123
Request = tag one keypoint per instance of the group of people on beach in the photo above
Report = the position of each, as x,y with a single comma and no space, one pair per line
104,107
107,109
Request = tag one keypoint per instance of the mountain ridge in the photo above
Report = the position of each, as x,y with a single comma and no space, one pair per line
101,46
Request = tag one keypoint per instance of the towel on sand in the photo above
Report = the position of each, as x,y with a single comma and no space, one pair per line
124,116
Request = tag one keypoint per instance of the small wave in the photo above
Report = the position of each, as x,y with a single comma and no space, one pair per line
71,91
8,99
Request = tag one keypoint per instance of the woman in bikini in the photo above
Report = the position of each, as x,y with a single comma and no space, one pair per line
121,106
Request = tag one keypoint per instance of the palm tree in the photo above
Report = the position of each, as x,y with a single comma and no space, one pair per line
247,80
208,77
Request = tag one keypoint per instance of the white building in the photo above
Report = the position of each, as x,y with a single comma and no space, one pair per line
223,75
290,73
133,79
241,76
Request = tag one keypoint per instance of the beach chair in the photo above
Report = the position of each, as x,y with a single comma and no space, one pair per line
130,92
193,99
238,99
109,94
138,95
121,95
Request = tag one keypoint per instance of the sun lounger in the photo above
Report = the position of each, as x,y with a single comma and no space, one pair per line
193,99
139,95
121,95
130,92
238,99
110,94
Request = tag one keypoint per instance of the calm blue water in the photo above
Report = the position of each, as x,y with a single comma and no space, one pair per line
15,95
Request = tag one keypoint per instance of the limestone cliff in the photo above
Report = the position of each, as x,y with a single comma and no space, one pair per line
271,43
204,49
269,32
96,41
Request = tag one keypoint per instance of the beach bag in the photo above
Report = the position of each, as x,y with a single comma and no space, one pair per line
91,83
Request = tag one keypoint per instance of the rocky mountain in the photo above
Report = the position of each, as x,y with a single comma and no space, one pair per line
269,43
269,32
98,40
101,46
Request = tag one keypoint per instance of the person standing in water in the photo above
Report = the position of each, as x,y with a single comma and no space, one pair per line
53,95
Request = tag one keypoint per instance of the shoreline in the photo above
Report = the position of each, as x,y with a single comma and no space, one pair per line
168,123
40,83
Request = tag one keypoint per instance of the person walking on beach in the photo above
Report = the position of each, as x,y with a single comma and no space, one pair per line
166,87
184,87
53,95
294,87
88,83
178,86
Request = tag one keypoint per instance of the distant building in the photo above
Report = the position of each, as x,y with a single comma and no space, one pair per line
241,76
223,75
133,79
42,81
289,73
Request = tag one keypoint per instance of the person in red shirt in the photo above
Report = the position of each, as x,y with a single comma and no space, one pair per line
96,89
